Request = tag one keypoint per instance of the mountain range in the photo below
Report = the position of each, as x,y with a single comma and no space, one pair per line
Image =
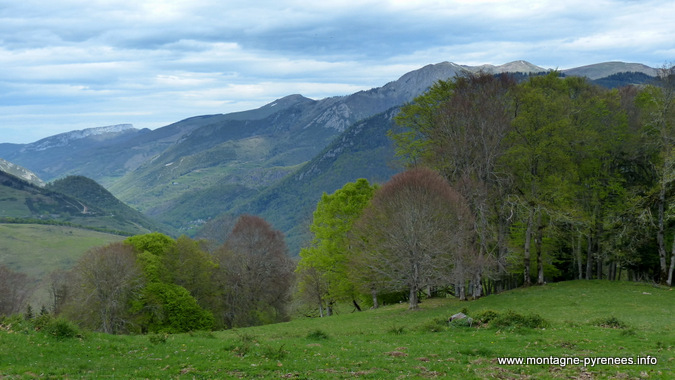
274,161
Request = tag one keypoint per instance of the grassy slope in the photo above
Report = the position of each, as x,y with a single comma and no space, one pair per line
37,249
390,342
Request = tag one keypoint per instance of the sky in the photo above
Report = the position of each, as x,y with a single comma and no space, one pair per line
74,64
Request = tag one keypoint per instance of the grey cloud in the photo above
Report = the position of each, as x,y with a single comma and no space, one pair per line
183,58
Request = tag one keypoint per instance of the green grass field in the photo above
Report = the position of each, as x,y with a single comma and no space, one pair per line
583,319
37,249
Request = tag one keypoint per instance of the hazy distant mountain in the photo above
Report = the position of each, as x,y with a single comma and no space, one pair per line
605,69
362,151
511,67
95,152
75,200
275,160
235,158
21,172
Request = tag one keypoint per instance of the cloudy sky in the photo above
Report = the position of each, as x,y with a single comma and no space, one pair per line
75,64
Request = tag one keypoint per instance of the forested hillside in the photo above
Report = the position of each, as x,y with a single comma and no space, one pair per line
504,181
76,201
553,178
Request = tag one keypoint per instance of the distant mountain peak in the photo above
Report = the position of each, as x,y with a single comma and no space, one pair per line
519,66
63,139
288,101
605,69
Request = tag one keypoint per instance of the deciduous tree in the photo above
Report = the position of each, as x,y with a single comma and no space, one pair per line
414,233
255,274
16,288
328,256
107,280
658,104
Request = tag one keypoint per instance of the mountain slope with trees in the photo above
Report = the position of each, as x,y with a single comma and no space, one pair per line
75,201
199,168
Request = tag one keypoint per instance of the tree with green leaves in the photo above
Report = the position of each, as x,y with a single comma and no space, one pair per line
658,106
323,266
188,265
176,273
539,159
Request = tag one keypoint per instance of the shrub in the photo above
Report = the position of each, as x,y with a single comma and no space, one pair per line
610,323
486,316
435,325
158,338
513,319
61,328
317,335
274,353
397,330
463,322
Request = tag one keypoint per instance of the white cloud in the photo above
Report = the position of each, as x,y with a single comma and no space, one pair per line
81,63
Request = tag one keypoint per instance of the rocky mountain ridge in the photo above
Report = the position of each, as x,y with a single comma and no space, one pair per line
66,138
196,169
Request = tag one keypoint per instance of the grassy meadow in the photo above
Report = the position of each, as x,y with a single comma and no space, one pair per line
581,319
37,250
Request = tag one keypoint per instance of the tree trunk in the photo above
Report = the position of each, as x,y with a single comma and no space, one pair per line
461,292
414,286
538,242
414,300
578,255
477,286
660,235
589,255
502,245
672,265
526,249
373,293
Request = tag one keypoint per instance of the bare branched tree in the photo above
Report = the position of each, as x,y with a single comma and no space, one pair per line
414,233
15,289
255,274
106,280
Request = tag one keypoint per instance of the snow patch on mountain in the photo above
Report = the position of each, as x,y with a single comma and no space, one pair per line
64,139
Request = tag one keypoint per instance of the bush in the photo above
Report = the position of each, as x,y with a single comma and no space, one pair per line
435,325
397,330
463,322
61,328
610,323
158,338
486,316
513,319
317,335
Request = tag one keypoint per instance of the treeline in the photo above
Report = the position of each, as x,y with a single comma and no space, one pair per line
153,283
53,222
510,183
